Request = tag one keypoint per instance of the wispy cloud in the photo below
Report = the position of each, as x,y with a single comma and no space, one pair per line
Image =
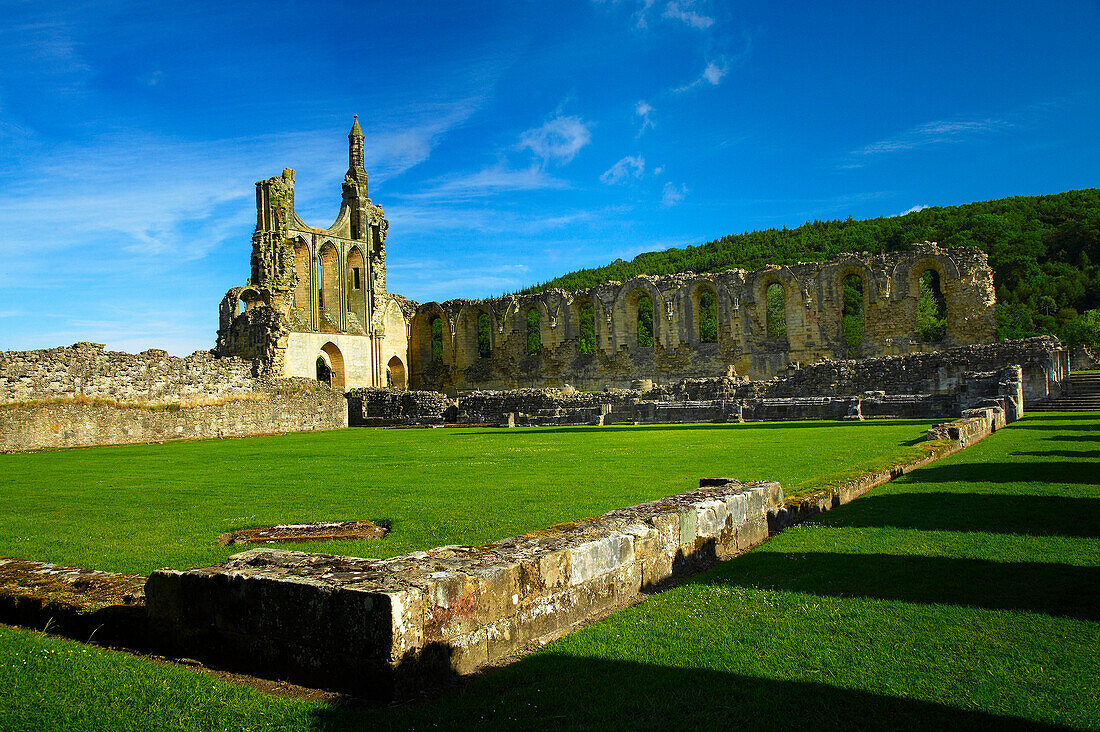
913,209
925,135
557,141
643,110
712,74
684,10
672,194
487,182
632,166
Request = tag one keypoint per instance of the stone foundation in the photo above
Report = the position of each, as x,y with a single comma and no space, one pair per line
368,624
79,423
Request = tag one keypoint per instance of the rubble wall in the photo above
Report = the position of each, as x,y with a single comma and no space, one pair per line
363,624
83,395
80,423
488,344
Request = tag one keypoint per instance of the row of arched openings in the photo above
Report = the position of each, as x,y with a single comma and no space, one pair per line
931,319
328,280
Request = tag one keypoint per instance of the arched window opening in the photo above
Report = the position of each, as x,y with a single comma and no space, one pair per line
484,336
328,265
586,343
708,317
931,308
324,373
645,322
395,373
852,314
437,340
777,311
534,333
240,307
301,268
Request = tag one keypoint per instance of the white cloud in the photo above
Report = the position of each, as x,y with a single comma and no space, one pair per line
712,74
632,166
658,170
643,109
931,133
914,209
487,182
557,141
683,10
672,194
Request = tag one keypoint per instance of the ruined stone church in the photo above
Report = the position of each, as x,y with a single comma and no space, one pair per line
316,306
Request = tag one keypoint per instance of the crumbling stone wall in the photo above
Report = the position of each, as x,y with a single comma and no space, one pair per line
281,408
392,407
152,377
362,624
813,294
85,395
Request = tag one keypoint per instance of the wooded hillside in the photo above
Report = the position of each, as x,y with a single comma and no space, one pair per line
1044,250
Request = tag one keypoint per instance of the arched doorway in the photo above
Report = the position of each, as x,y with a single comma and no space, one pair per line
331,357
395,374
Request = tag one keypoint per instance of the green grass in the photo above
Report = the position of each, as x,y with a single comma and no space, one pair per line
964,595
139,507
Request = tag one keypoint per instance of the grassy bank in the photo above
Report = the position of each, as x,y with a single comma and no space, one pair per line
135,508
963,595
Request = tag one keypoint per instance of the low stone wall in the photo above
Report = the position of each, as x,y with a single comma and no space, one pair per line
392,407
86,370
366,624
1045,365
288,407
1085,359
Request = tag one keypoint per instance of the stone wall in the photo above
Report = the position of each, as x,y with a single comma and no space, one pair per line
813,305
1044,362
151,377
363,624
393,407
285,407
84,395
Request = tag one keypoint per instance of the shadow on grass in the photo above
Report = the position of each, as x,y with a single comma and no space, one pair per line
1071,454
870,424
1074,438
1059,590
1038,471
1002,514
555,691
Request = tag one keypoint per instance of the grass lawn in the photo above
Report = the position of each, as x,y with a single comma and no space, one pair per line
964,595
139,507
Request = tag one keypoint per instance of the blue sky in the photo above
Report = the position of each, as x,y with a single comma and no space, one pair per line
508,142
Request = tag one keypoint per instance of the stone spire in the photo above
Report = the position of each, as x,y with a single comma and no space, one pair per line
356,170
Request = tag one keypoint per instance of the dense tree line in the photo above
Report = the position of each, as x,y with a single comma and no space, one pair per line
1044,251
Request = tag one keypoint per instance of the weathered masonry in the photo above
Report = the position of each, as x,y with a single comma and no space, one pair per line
316,304
693,325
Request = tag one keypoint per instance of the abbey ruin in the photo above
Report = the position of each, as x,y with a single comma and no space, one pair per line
316,304
676,347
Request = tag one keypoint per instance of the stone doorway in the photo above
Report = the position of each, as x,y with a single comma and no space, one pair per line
395,374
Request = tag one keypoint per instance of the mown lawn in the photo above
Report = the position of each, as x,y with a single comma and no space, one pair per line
136,508
965,595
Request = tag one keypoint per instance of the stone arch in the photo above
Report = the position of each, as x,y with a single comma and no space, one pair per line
853,287
931,315
630,299
484,334
332,357
704,312
303,268
773,292
585,317
248,299
328,281
357,291
533,319
395,374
